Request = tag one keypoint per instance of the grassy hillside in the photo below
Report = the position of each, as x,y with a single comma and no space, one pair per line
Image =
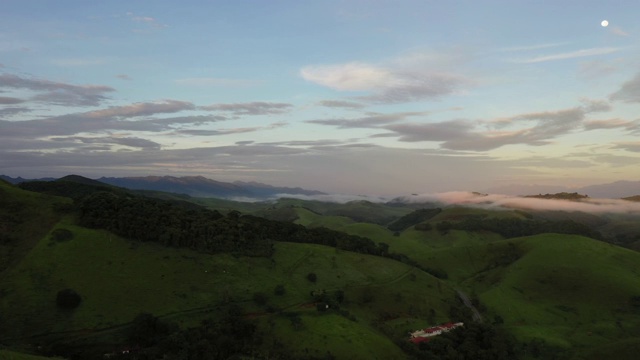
553,292
12,355
119,279
25,217
573,292
581,296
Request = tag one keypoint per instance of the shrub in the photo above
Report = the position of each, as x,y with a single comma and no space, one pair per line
312,277
260,298
61,235
279,290
68,299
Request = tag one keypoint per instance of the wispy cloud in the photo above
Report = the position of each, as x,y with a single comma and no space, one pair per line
531,47
210,81
251,108
403,80
633,146
371,121
57,93
629,92
616,30
142,109
148,21
111,140
570,55
10,100
341,104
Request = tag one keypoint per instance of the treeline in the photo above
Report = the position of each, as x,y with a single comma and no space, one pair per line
289,232
514,227
561,195
169,224
413,218
204,230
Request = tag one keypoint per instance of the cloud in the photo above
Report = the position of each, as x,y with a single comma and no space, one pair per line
334,198
470,136
10,100
616,30
633,146
629,91
591,105
348,77
570,55
251,108
495,201
209,81
341,104
58,93
610,124
440,131
126,141
124,77
142,109
367,121
206,132
150,22
83,123
401,82
11,111
531,47
596,69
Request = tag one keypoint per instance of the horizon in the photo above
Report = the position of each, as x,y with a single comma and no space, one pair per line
486,198
343,97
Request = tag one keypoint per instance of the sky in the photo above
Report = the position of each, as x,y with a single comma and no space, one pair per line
342,96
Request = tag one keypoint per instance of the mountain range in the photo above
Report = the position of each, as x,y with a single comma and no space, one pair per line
197,186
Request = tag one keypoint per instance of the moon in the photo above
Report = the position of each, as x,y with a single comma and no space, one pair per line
604,23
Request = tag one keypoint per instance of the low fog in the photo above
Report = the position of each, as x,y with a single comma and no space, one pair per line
489,201
498,201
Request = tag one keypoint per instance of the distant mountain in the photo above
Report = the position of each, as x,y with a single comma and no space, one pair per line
527,189
268,190
19,179
203,187
614,190
618,189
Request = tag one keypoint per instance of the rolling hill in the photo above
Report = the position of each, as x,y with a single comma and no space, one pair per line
558,295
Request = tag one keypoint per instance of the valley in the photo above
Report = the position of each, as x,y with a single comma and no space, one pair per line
307,279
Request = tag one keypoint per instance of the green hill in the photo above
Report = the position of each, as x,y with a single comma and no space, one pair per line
558,294
118,279
12,355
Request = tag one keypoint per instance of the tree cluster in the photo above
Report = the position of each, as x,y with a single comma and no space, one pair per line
514,227
164,222
152,338
413,218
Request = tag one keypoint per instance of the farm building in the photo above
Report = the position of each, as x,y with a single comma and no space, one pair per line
425,335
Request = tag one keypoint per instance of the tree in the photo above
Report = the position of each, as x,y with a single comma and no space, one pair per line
260,298
61,235
68,299
312,277
279,290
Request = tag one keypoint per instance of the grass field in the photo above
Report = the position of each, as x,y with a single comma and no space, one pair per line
573,292
12,355
119,279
